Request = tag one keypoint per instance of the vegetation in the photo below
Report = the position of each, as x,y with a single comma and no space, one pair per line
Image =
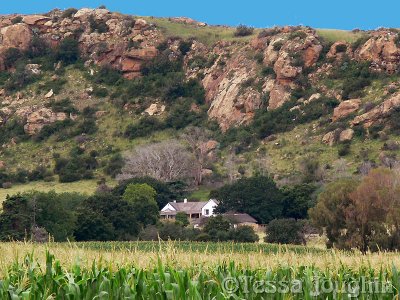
55,275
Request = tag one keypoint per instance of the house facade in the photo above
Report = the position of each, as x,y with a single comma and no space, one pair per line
194,210
198,212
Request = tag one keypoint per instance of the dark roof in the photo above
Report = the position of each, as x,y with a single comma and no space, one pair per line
238,218
188,207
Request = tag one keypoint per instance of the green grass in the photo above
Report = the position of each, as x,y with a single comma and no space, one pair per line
208,34
87,187
334,35
202,194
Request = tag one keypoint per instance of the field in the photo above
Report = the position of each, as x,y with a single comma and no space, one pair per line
179,270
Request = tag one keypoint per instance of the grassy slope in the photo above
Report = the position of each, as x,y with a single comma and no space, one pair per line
333,35
84,187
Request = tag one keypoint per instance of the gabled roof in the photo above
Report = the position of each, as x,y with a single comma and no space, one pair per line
239,218
188,207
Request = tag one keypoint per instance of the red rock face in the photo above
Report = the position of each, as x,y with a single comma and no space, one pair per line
382,50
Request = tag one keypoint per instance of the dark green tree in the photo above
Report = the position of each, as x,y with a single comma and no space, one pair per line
285,231
257,196
297,200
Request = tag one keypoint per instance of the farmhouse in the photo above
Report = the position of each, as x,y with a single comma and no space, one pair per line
194,210
198,212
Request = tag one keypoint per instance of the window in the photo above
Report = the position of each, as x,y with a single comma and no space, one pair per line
207,212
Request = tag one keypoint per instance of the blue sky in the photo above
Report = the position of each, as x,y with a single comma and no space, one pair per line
340,14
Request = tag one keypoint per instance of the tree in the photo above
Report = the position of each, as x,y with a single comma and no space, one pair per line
373,219
166,192
182,218
244,234
217,223
197,138
16,219
105,217
257,196
297,200
362,215
329,213
165,161
285,231
142,197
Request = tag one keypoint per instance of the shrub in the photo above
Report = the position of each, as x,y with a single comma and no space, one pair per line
344,149
100,92
16,20
107,75
285,231
69,12
11,56
341,48
297,34
114,165
185,46
244,234
99,26
278,45
243,30
68,51
144,127
65,105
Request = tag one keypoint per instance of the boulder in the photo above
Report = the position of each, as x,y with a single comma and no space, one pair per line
339,50
331,137
49,94
346,135
278,96
16,36
33,69
35,19
381,49
2,164
38,119
155,109
379,112
345,108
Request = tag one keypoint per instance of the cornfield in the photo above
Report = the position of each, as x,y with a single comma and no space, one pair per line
137,271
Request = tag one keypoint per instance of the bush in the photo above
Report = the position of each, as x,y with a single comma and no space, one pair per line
185,46
69,12
98,26
297,34
341,48
244,234
16,20
243,30
107,75
11,56
344,149
285,231
114,165
68,51
76,167
144,127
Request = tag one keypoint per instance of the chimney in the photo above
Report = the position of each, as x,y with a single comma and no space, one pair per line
185,200
174,201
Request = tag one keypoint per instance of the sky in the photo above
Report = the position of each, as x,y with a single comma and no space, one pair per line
337,14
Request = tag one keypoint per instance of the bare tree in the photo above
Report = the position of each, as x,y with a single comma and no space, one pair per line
166,161
198,140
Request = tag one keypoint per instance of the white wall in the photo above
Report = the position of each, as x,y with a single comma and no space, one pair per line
211,205
168,207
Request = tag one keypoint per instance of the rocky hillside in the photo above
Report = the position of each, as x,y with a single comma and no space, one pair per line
286,99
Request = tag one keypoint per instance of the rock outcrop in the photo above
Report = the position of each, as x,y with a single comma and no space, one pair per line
39,118
378,113
345,108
